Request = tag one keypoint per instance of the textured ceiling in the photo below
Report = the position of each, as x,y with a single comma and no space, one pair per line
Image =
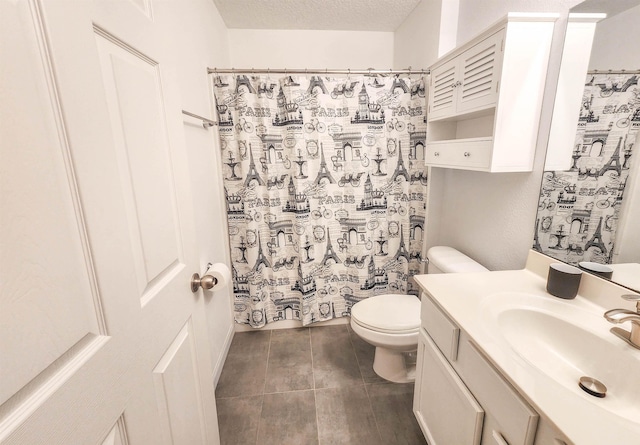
351,15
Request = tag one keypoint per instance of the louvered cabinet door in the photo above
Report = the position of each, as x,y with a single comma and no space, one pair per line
442,90
479,74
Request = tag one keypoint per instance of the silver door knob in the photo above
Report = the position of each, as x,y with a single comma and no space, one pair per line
206,282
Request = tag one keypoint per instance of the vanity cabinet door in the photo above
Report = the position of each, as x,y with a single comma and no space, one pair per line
445,409
509,418
547,434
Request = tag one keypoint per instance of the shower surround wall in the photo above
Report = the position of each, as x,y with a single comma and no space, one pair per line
578,209
325,187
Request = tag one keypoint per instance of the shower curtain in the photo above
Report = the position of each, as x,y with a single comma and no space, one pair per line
579,208
325,189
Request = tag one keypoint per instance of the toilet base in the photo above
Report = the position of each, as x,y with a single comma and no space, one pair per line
393,365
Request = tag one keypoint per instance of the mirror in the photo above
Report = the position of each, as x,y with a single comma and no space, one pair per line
589,205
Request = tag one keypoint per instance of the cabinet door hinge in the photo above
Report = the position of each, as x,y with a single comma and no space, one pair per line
497,86
502,45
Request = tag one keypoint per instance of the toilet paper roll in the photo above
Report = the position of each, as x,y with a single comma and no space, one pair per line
221,273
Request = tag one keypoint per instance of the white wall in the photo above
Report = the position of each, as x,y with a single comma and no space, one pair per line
476,15
615,44
428,33
491,217
416,40
267,48
199,39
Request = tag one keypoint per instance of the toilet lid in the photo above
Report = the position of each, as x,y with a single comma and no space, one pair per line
388,313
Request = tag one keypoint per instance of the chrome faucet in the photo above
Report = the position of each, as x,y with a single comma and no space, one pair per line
617,316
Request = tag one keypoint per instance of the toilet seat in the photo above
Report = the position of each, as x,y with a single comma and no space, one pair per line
388,313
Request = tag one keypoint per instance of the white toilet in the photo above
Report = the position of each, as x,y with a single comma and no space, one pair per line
391,322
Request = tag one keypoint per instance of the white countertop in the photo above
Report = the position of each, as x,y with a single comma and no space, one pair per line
468,299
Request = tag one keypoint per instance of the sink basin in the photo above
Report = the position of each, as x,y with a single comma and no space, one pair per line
565,342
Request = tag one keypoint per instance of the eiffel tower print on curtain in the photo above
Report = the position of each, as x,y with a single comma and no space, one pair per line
323,171
400,168
318,216
329,253
253,174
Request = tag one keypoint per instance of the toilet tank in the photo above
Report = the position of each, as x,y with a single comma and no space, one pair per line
443,259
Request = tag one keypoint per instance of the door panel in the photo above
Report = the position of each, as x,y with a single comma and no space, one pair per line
117,435
178,392
133,90
48,299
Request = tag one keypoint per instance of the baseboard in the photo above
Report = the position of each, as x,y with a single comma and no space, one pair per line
217,369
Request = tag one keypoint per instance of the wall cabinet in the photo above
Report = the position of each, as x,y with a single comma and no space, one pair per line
461,398
485,97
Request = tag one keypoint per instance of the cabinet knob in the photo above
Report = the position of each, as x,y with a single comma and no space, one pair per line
467,154
436,154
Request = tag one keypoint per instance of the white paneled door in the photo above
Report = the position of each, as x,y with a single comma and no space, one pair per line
101,339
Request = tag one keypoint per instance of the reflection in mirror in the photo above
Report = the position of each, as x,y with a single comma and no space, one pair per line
589,205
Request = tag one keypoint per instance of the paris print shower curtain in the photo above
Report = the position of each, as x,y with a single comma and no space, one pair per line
325,191
578,209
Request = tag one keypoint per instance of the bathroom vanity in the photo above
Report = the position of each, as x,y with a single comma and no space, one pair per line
499,361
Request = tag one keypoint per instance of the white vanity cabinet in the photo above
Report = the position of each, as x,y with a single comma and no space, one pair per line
460,397
485,97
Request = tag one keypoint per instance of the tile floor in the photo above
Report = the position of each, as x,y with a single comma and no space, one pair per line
310,386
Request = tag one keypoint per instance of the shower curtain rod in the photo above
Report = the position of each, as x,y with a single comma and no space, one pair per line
613,72
286,71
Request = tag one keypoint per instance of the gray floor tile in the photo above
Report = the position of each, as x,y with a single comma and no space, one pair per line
348,411
345,417
288,419
365,354
334,359
392,407
289,366
245,368
238,419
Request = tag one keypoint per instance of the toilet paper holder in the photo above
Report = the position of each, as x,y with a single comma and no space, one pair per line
206,282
